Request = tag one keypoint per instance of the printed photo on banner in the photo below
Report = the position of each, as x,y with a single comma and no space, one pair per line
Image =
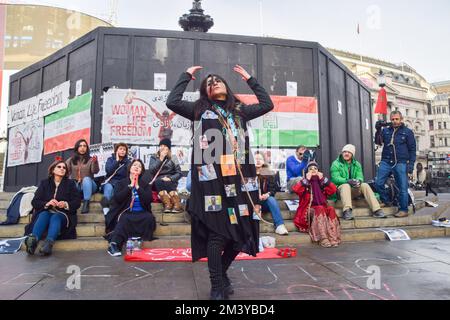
209,115
232,215
26,143
243,210
182,154
206,173
204,144
227,165
141,117
102,151
230,190
250,184
213,203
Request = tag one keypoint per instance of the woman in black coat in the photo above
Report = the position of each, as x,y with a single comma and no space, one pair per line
221,205
131,210
55,205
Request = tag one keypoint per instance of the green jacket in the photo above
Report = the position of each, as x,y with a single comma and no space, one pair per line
340,171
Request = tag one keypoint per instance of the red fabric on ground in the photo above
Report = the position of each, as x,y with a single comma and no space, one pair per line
184,255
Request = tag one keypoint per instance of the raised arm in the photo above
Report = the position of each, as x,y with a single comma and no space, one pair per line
265,104
175,100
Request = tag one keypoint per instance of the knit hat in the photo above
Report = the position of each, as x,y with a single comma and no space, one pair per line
312,163
166,142
350,148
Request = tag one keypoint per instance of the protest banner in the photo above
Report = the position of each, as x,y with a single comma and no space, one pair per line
64,128
39,106
26,143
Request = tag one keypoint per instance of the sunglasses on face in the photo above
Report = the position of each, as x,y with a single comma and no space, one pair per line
61,167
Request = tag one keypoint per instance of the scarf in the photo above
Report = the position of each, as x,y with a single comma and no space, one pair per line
319,198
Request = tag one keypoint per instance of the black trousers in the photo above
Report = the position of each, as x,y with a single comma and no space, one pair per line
168,186
220,256
428,189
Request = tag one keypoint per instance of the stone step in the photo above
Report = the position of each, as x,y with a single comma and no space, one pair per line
293,239
181,229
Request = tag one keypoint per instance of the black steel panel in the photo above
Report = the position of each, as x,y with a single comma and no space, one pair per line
354,116
30,85
368,153
324,118
337,109
160,55
220,58
54,74
282,64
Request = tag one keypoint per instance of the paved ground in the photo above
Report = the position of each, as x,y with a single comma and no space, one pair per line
417,269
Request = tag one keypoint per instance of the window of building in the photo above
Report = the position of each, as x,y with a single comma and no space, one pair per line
439,125
445,125
407,112
429,108
417,141
441,142
446,142
432,142
417,114
431,123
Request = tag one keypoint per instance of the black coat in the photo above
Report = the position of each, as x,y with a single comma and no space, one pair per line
244,234
112,165
269,182
122,199
67,191
171,169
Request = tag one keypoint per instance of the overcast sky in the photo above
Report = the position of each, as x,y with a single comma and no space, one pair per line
413,31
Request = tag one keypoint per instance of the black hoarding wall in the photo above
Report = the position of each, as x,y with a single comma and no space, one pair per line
128,58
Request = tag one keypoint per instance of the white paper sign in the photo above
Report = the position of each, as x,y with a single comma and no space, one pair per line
141,117
39,106
292,204
291,89
26,143
367,124
396,234
160,81
102,151
79,87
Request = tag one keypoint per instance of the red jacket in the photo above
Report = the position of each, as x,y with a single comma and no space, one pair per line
303,189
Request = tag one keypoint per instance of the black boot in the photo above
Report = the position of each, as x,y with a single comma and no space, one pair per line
31,244
217,295
47,247
85,208
228,289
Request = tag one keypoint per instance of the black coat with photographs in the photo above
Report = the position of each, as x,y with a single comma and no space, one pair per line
209,182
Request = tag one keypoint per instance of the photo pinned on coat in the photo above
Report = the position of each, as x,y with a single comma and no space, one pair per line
207,173
230,190
250,184
227,165
213,203
232,215
243,210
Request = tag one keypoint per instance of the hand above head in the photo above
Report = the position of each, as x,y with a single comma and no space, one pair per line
192,70
242,72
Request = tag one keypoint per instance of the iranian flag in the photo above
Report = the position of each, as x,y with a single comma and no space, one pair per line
294,121
64,128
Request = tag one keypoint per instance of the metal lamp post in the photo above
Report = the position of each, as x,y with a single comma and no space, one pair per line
196,20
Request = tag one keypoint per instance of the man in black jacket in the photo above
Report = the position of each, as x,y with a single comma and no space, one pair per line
167,171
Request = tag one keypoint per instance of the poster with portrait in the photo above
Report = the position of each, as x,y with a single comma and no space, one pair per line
26,143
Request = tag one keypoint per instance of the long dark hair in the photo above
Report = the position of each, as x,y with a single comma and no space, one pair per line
204,103
83,158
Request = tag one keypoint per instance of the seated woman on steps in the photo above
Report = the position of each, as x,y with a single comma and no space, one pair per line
55,205
314,215
268,187
131,210
82,168
167,172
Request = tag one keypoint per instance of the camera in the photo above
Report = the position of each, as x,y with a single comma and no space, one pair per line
381,124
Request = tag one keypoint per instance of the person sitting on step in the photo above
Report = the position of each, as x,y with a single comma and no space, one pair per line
116,170
131,210
55,205
347,175
166,171
82,168
314,215
269,186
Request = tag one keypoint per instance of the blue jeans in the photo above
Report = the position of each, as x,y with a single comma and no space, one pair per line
271,205
88,186
51,220
401,179
108,191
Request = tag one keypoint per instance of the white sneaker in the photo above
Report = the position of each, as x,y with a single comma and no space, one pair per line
438,223
281,230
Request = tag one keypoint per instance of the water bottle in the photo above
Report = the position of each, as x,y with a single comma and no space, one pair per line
130,246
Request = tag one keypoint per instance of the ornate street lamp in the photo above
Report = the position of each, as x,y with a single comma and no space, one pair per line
196,21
